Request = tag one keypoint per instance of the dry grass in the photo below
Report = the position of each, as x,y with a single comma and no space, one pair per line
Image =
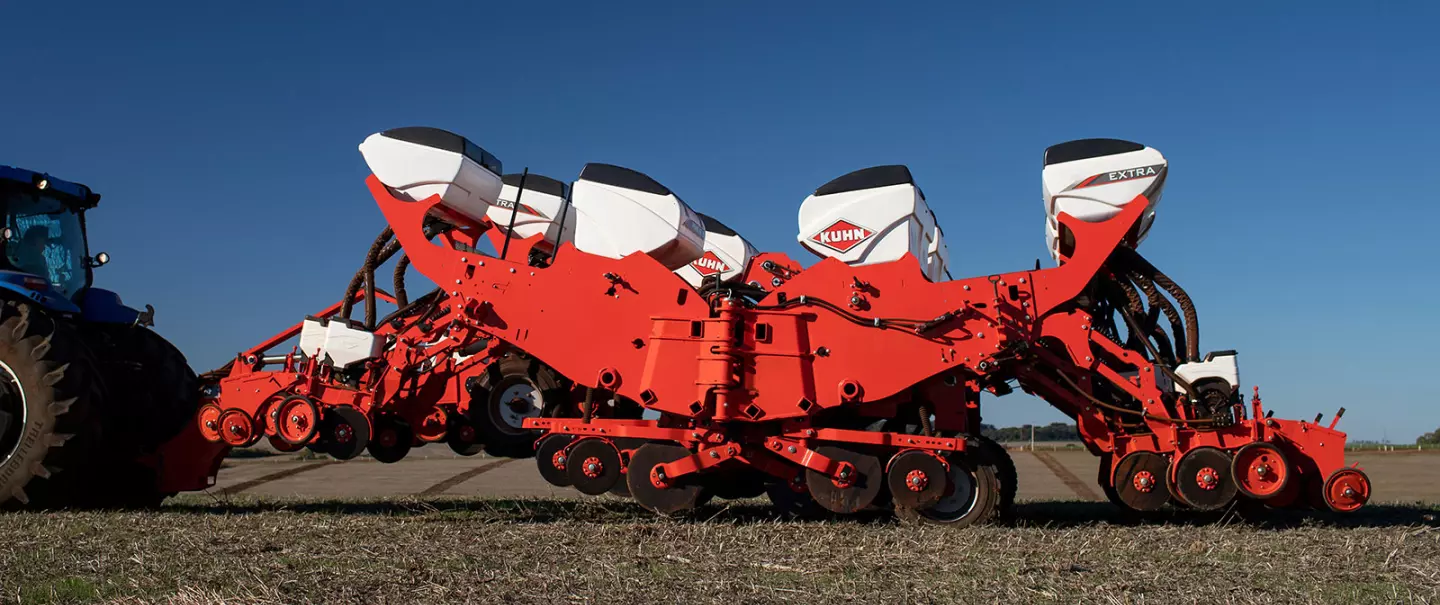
609,551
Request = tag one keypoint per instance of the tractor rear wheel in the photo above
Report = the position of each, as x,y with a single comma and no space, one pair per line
513,389
152,392
47,390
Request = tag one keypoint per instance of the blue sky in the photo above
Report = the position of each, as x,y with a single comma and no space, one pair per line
1300,210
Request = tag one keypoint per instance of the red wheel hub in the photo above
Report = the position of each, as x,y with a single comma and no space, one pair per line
1207,478
1347,490
658,478
592,467
916,480
1144,482
344,433
845,476
1261,470
558,460
236,428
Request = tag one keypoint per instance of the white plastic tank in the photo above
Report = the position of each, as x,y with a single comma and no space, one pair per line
417,162
542,207
726,255
1093,179
873,215
338,341
619,211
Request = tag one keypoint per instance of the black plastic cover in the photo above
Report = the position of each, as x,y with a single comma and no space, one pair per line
714,226
537,183
445,140
1087,148
619,176
868,178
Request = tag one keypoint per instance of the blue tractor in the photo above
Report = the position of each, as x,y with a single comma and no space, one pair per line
89,394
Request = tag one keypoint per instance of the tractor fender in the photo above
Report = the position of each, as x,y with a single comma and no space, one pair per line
99,305
35,289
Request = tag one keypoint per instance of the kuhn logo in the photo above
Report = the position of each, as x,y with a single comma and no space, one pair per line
709,264
841,236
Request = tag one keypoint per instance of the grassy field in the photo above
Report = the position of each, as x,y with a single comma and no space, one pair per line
610,551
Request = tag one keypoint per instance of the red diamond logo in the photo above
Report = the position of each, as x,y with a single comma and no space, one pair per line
841,236
709,264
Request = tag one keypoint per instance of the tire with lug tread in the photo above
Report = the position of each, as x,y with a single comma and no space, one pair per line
514,369
996,456
48,390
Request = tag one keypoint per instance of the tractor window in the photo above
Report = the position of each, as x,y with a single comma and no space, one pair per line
48,241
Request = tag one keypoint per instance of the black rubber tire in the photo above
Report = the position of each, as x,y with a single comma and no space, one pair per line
984,508
151,391
41,452
502,441
994,455
404,437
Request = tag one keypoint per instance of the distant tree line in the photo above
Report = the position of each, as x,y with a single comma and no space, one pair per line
1055,431
1431,438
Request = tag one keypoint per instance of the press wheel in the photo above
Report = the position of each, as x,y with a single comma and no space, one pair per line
296,419
1261,471
1347,490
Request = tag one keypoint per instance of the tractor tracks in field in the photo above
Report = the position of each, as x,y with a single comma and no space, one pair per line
275,476
1080,488
461,477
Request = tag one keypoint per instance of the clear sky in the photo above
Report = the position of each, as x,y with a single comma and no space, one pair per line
1300,211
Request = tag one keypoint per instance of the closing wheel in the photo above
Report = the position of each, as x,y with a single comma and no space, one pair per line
463,438
237,429
655,491
346,432
973,497
1347,490
209,420
593,467
1261,471
550,457
852,493
1139,481
296,419
1203,480
392,440
917,479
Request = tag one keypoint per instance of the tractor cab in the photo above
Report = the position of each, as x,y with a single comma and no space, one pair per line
46,257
